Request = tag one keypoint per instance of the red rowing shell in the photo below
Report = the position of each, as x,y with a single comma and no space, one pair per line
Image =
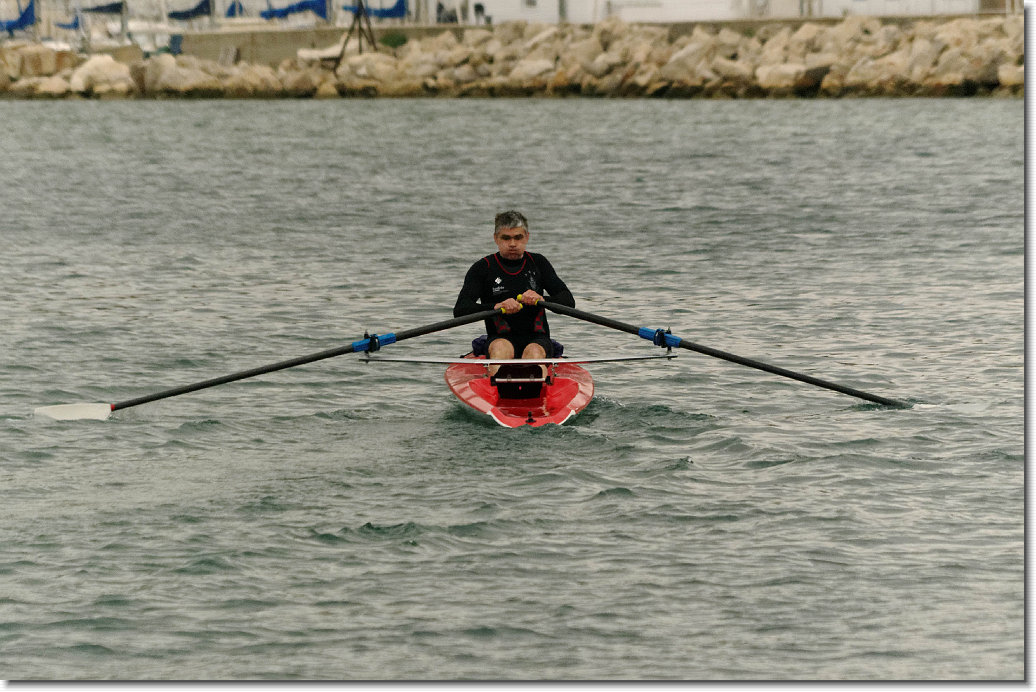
571,388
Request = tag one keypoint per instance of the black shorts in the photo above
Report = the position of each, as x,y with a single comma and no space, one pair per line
520,342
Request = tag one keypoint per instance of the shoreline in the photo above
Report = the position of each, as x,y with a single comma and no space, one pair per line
854,57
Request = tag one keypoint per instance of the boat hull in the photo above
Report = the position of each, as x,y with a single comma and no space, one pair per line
571,388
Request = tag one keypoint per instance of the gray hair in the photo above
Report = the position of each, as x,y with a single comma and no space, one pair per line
510,219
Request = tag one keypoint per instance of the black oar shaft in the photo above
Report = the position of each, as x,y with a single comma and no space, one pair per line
233,377
716,353
445,324
361,345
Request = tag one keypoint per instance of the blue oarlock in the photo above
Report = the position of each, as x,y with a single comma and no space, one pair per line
659,337
373,342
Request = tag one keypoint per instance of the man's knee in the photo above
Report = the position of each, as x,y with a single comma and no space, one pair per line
501,348
534,350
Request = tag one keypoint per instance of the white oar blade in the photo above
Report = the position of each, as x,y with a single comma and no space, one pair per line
75,411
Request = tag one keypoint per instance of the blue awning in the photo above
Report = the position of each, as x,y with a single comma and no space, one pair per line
317,7
26,19
202,9
397,11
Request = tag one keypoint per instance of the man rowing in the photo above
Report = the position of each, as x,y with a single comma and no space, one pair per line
513,281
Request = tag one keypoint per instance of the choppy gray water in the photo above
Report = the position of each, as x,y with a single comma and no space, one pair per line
339,520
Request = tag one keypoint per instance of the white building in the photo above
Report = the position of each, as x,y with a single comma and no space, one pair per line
592,11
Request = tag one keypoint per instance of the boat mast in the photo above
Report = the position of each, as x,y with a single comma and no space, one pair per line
124,23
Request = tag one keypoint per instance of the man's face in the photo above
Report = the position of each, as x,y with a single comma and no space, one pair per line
511,242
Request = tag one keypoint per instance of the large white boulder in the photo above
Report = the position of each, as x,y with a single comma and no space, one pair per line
25,87
603,64
954,66
808,38
775,49
958,33
177,80
53,86
779,76
527,70
684,62
473,38
377,66
870,72
1011,75
102,74
610,30
326,90
852,30
510,31
814,60
545,36
582,53
728,43
880,43
733,70
252,81
464,74
304,82
443,41
420,66
153,69
451,57
923,54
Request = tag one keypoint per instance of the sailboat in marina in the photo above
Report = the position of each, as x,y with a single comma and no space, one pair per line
157,25
26,19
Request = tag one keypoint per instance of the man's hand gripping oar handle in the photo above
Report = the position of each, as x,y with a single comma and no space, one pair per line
672,341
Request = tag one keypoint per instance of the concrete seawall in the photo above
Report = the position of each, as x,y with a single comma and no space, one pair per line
270,45
854,56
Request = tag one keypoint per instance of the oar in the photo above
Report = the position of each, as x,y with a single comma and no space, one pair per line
82,411
662,338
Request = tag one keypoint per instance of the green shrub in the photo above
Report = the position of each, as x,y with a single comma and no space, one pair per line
393,39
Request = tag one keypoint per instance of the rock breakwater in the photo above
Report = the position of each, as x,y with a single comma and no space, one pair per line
858,56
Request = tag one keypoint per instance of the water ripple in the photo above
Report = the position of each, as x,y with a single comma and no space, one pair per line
699,520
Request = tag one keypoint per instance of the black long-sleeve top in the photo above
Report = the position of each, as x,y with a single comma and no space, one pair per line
493,279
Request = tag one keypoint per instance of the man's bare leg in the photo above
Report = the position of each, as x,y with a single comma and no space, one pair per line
501,349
